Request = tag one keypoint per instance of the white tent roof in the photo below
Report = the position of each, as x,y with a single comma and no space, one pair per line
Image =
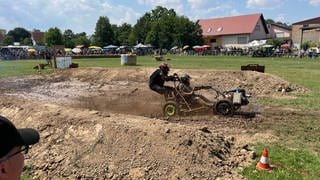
76,50
256,43
110,47
140,45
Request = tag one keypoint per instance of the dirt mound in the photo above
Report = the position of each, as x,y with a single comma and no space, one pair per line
79,143
126,90
89,126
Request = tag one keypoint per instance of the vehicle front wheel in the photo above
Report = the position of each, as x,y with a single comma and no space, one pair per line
170,109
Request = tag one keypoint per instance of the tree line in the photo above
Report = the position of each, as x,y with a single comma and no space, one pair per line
161,27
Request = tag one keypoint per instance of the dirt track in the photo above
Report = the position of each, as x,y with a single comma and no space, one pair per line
106,124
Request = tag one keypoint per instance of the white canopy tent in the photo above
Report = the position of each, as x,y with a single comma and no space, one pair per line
140,45
76,50
110,47
256,43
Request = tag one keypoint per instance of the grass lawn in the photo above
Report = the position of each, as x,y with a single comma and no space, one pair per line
297,156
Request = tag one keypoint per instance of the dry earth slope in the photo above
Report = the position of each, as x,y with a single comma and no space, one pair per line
101,123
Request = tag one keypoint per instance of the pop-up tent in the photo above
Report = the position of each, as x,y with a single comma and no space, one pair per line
140,45
111,47
95,47
76,50
256,43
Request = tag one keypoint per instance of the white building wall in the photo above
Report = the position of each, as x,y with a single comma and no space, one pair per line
233,41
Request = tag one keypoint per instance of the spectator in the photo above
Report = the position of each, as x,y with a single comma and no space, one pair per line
48,57
14,143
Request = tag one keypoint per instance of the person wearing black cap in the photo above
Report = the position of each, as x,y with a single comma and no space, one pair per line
13,143
158,78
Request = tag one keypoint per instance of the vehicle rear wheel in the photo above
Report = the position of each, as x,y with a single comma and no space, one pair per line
224,108
170,109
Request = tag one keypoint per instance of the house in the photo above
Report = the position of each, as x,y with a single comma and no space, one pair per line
2,34
279,31
306,31
37,37
1,38
233,31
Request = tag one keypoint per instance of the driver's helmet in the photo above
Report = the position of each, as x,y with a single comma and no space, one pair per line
185,79
165,68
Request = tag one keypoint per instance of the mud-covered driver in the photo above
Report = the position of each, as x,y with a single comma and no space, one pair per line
158,78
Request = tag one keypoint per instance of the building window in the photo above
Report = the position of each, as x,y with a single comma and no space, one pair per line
242,40
213,40
257,27
279,34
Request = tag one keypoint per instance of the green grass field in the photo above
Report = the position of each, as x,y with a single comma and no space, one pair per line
297,155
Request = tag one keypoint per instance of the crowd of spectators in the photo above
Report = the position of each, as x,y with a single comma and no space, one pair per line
311,53
99,51
23,53
16,53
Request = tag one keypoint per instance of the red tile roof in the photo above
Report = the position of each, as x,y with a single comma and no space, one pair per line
244,24
37,36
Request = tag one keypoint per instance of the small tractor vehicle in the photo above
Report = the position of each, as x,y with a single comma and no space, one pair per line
224,103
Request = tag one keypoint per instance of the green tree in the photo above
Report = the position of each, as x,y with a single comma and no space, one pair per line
181,32
8,40
194,36
122,33
269,21
53,37
140,29
27,42
19,34
160,32
132,37
305,45
276,42
153,35
68,37
81,39
41,43
168,29
103,32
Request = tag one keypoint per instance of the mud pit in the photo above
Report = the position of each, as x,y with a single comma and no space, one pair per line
106,124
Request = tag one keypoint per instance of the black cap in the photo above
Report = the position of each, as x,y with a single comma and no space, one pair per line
11,137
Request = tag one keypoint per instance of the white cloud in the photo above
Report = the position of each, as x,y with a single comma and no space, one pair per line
82,15
264,4
211,9
165,3
196,4
177,5
280,18
77,15
314,2
123,15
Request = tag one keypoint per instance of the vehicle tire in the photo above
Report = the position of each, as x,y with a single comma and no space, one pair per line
224,107
170,109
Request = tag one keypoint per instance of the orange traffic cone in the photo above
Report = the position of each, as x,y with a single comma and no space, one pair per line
263,164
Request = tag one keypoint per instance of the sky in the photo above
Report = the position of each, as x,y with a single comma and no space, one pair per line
82,15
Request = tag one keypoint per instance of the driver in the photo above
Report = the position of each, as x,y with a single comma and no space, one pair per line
158,78
188,92
185,87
